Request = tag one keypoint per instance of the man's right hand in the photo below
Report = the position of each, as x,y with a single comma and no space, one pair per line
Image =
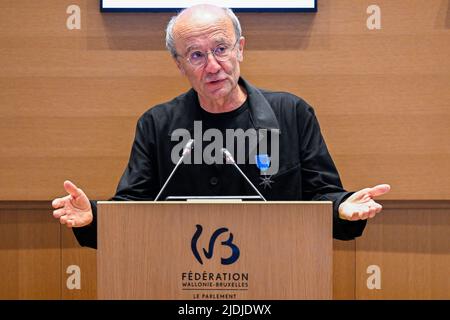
73,210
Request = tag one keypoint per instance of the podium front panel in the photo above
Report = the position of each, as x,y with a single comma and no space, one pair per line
239,250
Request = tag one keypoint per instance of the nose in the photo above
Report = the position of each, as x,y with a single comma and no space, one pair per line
212,65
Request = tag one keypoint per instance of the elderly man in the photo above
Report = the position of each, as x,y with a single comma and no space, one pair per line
206,44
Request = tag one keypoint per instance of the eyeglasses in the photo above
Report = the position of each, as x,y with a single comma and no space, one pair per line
221,53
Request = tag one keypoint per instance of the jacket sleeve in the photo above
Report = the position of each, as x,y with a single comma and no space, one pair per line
87,236
138,181
320,178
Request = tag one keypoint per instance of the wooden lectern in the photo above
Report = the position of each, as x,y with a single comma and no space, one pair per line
214,250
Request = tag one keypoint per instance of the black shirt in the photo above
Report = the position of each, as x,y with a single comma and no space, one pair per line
215,174
306,169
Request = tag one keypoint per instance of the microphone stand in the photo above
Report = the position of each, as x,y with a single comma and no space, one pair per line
229,159
186,150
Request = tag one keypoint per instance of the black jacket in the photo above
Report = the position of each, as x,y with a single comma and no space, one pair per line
306,169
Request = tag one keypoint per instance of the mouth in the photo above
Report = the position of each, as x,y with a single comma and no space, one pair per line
214,82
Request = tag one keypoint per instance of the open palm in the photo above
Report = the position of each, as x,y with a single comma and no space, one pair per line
360,205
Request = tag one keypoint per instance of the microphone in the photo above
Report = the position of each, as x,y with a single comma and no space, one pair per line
186,150
229,159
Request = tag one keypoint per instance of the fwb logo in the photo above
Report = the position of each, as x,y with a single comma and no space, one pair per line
209,253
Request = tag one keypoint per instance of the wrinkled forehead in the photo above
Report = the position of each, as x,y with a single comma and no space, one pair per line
193,30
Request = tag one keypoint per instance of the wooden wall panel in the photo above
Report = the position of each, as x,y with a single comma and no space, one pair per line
409,241
35,253
30,252
344,263
410,244
69,99
85,259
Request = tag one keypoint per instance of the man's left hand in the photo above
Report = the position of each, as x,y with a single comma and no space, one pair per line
360,205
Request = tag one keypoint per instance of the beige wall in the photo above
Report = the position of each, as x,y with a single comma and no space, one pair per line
409,243
70,98
69,101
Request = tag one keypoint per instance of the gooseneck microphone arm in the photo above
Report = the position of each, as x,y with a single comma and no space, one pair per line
186,150
229,159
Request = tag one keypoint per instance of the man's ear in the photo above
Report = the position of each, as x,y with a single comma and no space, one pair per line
240,53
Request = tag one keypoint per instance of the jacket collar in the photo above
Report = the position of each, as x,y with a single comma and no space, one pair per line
261,112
